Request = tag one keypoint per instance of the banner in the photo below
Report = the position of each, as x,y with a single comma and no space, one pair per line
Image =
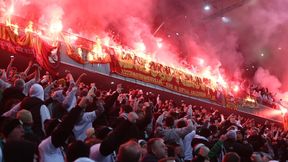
129,65
85,51
29,44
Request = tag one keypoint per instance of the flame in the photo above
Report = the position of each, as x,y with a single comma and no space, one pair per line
96,51
140,47
79,51
217,80
56,26
106,41
29,27
249,99
14,27
72,38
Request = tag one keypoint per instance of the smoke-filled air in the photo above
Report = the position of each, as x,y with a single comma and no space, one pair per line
231,40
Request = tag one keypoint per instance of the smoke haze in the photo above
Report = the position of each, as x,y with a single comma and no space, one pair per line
252,42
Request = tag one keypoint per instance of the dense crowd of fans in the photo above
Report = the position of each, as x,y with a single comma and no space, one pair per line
263,95
56,120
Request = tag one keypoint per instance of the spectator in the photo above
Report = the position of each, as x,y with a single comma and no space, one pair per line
156,150
231,157
129,151
77,149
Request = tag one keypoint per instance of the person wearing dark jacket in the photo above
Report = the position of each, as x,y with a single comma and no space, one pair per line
12,93
126,130
231,145
35,104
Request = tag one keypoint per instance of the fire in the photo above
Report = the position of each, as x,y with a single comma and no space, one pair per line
96,51
106,41
249,99
72,38
140,46
217,80
29,27
79,51
56,26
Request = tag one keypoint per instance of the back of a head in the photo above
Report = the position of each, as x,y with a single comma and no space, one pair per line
76,150
157,147
25,116
36,90
129,151
8,125
231,157
205,132
19,84
181,124
102,132
169,121
84,159
19,151
127,108
150,144
50,125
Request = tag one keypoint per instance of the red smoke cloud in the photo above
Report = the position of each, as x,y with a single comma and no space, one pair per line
187,32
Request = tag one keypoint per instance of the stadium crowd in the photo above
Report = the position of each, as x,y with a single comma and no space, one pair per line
50,119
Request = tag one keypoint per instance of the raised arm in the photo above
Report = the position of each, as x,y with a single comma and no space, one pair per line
25,72
64,130
10,65
80,78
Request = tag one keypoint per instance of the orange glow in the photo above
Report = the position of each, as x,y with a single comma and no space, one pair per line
72,38
140,46
96,51
249,99
29,27
79,51
106,41
216,79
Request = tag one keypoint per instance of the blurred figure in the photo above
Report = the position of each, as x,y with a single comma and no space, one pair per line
231,157
156,150
129,151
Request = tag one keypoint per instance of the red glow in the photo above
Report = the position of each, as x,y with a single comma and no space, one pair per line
146,48
159,43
